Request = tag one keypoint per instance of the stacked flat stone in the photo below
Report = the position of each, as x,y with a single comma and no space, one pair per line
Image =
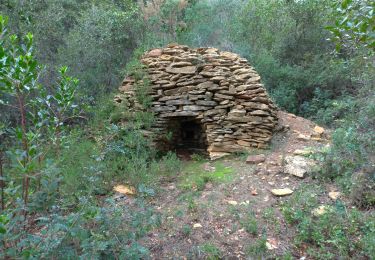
217,88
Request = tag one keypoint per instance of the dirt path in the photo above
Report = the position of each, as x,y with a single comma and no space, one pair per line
232,214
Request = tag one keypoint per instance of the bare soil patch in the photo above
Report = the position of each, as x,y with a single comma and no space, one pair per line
233,217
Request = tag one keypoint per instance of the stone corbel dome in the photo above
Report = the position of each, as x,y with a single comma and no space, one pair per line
204,98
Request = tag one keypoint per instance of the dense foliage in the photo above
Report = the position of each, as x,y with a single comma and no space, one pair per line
58,158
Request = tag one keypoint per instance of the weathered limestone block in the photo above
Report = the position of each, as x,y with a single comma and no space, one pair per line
182,70
219,96
255,106
206,85
237,113
206,103
195,108
214,112
164,108
180,113
180,64
197,92
175,91
211,74
177,102
196,97
259,113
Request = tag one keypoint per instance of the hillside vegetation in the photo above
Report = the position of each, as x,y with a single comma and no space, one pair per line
76,183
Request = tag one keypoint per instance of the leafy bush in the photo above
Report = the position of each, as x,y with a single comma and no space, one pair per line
197,157
169,165
195,177
206,251
91,232
250,224
102,40
51,193
258,249
339,231
350,160
354,24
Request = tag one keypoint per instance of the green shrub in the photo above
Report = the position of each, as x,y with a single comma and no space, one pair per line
362,191
197,157
186,230
205,251
195,177
81,169
250,224
258,249
128,156
340,231
101,43
92,232
169,165
350,160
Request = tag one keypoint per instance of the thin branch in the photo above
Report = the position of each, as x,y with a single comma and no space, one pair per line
73,117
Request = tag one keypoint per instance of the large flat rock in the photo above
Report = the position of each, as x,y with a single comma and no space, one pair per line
182,70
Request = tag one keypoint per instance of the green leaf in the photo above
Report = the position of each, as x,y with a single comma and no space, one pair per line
4,219
63,70
345,3
363,27
2,229
29,40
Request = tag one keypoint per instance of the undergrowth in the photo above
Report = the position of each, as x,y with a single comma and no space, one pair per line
195,177
69,210
339,231
350,160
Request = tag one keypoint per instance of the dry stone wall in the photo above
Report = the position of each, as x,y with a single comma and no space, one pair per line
217,89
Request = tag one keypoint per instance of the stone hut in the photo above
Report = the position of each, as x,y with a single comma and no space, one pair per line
204,99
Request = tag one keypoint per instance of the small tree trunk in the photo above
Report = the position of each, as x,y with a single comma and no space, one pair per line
25,145
58,143
2,182
27,180
58,132
39,176
21,106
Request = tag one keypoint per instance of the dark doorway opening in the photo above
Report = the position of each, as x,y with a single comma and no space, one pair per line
187,135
